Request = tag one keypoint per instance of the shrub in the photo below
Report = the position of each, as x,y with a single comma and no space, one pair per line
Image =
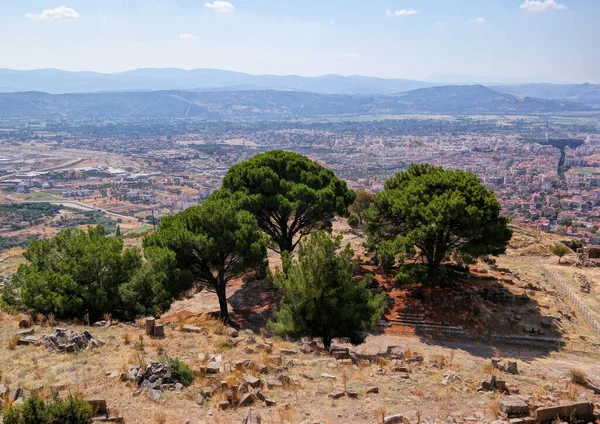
181,372
353,221
77,273
72,410
560,250
578,376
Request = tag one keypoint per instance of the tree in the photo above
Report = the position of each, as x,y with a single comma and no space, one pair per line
214,242
429,212
118,232
361,203
559,250
153,288
289,194
75,273
320,296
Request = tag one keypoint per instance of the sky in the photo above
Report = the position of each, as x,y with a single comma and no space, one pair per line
550,40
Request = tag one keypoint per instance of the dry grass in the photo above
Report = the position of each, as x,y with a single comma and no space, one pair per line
494,407
13,342
160,417
571,392
489,369
578,376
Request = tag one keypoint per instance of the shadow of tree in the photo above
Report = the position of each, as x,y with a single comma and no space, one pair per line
479,314
252,305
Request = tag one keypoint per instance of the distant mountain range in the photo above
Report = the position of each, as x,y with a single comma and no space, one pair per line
272,104
55,81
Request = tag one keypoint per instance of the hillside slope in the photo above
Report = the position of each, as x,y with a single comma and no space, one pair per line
272,104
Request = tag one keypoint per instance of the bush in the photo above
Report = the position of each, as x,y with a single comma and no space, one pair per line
72,410
180,371
578,376
76,273
560,250
353,221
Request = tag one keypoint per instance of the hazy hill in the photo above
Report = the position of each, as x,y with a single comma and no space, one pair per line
56,81
588,94
271,104
470,99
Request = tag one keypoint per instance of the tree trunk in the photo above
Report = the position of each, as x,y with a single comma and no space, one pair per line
326,341
222,295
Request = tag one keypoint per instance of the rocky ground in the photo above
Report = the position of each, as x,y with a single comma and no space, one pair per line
408,369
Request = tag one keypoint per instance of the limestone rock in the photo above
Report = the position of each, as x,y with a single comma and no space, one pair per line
252,381
247,400
514,407
337,395
395,419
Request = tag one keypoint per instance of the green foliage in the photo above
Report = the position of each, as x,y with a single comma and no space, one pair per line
72,410
320,297
17,214
153,287
289,194
10,242
353,220
560,250
75,273
566,221
361,204
180,371
572,244
97,218
213,242
431,212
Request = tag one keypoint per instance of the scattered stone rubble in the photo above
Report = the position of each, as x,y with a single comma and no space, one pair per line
585,285
4,280
156,378
508,366
60,340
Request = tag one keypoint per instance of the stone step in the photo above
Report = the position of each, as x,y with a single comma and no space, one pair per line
414,321
447,328
411,316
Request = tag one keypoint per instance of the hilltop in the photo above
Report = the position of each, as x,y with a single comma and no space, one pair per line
430,360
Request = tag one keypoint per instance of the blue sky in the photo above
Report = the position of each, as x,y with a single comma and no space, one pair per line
558,40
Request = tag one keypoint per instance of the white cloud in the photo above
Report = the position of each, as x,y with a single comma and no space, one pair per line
479,20
61,12
186,36
401,12
349,56
332,22
541,5
220,6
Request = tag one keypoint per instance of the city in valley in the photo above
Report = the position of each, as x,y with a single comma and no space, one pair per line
132,174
